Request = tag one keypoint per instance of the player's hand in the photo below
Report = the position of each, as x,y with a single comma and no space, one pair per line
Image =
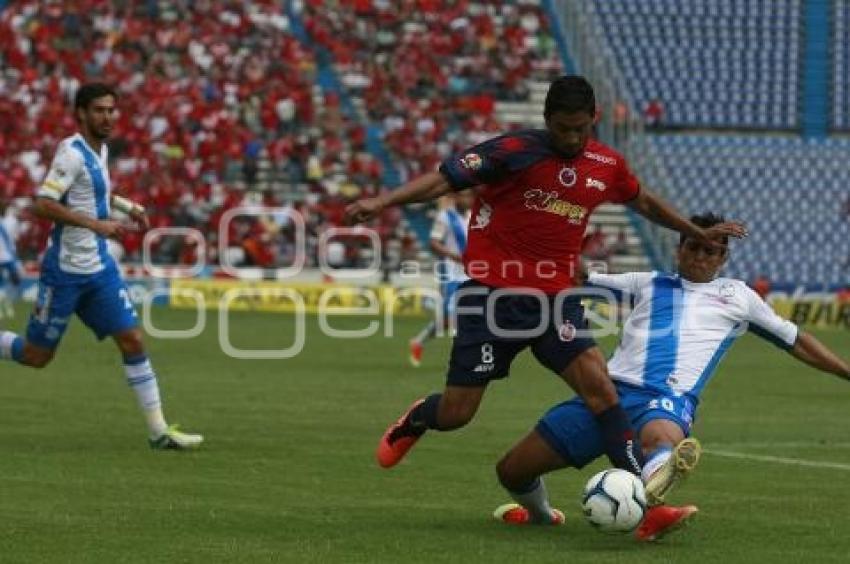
711,235
363,210
109,228
141,218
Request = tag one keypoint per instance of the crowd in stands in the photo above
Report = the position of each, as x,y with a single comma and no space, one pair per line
434,92
208,91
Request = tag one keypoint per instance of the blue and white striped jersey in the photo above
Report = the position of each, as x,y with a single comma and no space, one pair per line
8,236
450,229
679,331
78,178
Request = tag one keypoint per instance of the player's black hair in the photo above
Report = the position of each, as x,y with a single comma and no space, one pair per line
91,91
570,94
707,219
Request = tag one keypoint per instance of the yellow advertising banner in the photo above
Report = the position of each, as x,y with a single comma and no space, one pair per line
820,312
240,295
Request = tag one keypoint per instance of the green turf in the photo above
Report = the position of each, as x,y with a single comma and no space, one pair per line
287,473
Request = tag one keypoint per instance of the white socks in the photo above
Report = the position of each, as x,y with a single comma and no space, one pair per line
10,346
536,500
142,379
654,462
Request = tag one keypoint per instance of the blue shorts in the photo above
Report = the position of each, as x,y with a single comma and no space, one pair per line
571,429
100,300
479,355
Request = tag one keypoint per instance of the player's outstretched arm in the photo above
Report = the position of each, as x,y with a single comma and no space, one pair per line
49,208
425,188
814,353
658,211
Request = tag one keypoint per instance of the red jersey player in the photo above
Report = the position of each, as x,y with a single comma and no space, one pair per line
528,221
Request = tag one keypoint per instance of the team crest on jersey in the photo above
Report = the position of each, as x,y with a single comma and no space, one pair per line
567,177
567,332
471,161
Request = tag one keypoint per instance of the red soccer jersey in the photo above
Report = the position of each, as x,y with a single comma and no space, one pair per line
529,219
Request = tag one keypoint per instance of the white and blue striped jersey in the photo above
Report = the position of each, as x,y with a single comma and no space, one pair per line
8,236
78,178
679,331
450,229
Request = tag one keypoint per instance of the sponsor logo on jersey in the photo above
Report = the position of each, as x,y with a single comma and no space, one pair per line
541,200
488,367
567,176
471,161
598,184
600,158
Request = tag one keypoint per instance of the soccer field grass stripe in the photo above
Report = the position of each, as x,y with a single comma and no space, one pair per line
779,460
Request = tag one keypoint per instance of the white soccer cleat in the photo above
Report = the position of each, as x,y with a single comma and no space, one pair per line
174,439
682,462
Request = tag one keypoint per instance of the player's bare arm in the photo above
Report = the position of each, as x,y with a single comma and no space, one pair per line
424,188
814,353
658,211
54,211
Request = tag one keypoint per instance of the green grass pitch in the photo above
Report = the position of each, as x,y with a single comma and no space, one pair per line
287,473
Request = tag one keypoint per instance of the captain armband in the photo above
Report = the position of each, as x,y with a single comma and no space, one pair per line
126,206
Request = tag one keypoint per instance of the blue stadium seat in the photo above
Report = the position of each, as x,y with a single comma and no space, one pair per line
723,63
790,192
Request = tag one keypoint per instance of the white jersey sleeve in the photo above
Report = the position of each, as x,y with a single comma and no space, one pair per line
440,228
628,283
64,169
765,322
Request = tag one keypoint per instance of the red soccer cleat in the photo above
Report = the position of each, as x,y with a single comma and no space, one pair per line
415,353
516,514
392,450
663,519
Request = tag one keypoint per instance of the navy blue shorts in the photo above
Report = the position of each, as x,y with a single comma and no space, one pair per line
571,429
485,345
100,300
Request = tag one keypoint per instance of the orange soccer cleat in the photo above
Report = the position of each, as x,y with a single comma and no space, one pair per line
662,520
394,445
416,349
516,514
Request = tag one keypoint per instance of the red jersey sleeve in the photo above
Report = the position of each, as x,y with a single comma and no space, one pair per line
627,186
493,160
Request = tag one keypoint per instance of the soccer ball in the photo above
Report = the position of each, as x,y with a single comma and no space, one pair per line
614,501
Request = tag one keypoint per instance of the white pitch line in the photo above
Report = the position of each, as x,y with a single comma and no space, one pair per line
779,460
809,445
